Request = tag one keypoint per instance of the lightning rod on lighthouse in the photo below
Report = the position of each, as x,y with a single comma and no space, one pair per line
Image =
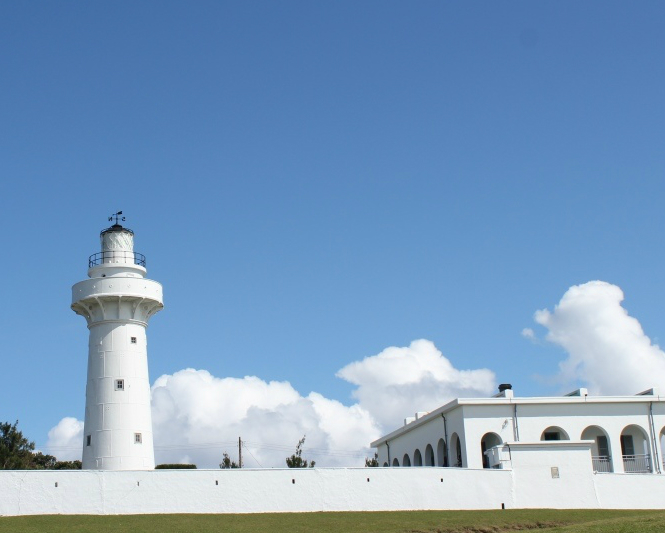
117,303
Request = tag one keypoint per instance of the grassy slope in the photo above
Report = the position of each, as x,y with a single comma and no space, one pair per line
426,522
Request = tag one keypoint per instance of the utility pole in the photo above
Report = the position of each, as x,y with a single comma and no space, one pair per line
239,452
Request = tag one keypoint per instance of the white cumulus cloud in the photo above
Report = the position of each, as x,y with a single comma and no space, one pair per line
607,348
402,380
65,440
194,411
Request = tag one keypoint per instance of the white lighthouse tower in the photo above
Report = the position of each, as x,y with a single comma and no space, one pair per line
117,302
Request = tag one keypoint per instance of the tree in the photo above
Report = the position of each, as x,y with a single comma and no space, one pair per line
15,449
16,453
41,461
296,460
226,462
374,461
68,465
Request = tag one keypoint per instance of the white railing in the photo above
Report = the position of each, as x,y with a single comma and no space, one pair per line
602,463
637,463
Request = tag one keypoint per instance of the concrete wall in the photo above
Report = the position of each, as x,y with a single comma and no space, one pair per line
630,491
530,483
553,474
477,423
251,491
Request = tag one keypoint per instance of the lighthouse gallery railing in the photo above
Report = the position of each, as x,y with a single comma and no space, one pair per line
116,256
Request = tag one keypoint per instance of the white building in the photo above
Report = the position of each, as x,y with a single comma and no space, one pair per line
117,302
624,432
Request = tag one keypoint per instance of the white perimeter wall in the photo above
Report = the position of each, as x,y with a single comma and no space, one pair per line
250,491
529,484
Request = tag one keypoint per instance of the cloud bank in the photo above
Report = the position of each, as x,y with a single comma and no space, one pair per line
194,409
197,416
607,348
402,380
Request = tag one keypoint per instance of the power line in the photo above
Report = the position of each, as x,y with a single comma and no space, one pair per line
250,453
220,444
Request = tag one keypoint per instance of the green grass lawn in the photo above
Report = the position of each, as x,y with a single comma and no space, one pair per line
575,521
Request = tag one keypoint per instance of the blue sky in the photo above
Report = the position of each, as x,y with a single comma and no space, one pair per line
315,182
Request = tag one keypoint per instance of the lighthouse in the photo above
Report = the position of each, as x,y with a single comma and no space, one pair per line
117,302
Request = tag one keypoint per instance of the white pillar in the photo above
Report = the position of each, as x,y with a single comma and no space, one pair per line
117,302
615,452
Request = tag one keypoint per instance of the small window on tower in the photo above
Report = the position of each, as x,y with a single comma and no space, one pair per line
88,440
133,340
138,439
119,384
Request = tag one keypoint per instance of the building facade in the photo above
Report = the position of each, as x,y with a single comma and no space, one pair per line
624,432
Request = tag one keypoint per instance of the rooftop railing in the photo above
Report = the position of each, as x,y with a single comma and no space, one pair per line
116,256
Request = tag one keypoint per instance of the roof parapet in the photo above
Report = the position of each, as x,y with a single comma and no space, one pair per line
508,393
579,392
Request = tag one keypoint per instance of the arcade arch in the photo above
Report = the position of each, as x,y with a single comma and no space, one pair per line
554,433
488,441
417,458
429,456
635,449
601,453
456,450
442,453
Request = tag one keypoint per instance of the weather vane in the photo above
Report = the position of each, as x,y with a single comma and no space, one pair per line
117,217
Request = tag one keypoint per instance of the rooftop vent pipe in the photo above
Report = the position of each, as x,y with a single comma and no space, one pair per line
505,386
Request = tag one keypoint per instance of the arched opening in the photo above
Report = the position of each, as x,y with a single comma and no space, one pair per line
488,441
601,455
395,462
385,464
635,449
417,458
406,461
441,453
456,450
554,433
429,456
